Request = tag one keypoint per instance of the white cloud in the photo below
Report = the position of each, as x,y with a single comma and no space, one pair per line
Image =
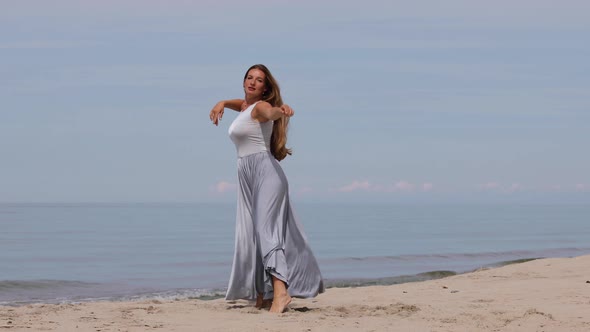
515,187
356,185
491,186
564,188
400,186
498,187
403,186
223,187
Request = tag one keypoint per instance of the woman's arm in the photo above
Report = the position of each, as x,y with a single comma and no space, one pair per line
263,112
234,104
217,112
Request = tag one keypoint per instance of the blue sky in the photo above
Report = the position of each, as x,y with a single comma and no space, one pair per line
425,102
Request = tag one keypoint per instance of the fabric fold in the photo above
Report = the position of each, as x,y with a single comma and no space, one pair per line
269,240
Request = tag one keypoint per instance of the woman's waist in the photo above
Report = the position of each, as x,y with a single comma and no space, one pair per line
249,155
258,166
245,151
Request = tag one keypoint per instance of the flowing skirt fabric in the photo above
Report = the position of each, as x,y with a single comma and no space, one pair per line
269,240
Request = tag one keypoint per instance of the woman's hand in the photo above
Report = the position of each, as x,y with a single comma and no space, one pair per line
287,110
217,113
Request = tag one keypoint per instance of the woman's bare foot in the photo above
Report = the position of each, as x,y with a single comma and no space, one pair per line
280,303
262,303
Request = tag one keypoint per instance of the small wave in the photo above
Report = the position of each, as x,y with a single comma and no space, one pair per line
518,254
361,282
10,285
20,292
23,292
514,261
424,276
176,294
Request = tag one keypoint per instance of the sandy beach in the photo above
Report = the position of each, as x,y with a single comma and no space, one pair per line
540,295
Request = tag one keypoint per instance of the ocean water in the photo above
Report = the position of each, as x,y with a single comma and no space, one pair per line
87,252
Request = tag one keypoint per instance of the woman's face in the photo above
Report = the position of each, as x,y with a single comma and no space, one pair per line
254,83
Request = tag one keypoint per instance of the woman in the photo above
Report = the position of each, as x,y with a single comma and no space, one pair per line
272,260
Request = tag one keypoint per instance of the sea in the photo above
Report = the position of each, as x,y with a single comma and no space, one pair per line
69,253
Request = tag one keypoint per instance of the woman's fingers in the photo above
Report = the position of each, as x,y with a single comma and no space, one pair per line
215,115
287,110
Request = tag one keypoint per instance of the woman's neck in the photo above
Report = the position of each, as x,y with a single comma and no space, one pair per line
250,101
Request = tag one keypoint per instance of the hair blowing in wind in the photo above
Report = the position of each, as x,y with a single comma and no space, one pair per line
278,140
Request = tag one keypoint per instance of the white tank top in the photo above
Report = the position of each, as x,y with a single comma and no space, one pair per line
249,135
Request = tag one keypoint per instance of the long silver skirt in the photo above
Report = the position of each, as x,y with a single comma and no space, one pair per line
269,240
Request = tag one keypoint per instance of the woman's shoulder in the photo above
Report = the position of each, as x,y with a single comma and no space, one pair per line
259,110
262,104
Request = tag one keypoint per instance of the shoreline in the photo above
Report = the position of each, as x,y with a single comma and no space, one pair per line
215,293
550,294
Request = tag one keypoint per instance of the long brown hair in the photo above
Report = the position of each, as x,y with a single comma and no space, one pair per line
272,95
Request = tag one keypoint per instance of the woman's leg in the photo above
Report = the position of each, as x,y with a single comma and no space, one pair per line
281,297
261,302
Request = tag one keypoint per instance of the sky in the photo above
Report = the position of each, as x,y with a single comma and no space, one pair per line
428,101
